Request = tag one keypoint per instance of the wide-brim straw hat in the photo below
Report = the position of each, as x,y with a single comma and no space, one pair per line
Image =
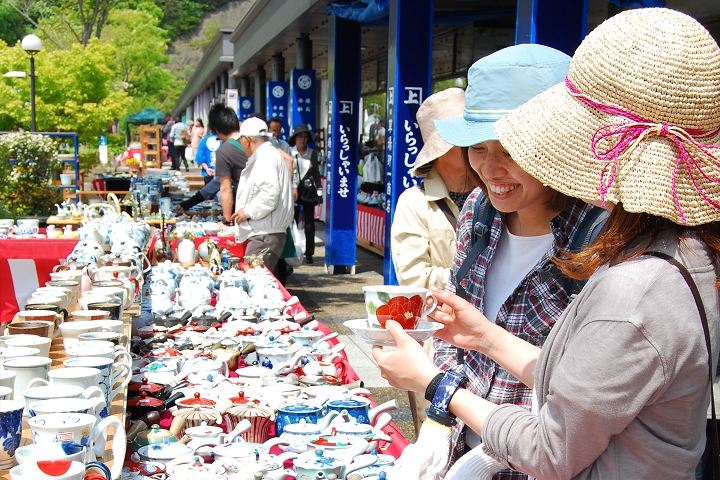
447,103
635,121
300,128
499,83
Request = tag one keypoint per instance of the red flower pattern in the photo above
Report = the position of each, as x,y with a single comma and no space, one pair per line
405,311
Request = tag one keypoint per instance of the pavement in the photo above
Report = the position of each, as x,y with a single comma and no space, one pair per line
336,298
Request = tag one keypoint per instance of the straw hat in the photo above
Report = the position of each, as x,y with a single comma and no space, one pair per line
499,83
643,92
448,103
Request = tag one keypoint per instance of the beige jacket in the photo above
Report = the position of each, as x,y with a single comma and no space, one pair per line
423,241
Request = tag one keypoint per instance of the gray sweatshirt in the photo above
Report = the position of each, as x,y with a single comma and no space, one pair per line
622,381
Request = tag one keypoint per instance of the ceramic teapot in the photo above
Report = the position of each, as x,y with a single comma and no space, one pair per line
319,464
359,408
298,435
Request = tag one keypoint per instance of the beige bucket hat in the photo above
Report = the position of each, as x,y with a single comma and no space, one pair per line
636,120
448,103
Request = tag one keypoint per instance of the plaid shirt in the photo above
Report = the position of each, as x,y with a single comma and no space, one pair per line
529,313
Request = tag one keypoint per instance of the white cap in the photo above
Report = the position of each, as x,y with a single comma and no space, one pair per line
254,127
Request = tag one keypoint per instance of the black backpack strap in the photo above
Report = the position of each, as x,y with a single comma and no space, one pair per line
480,239
444,207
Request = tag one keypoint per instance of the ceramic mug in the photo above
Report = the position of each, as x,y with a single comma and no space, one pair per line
80,428
71,330
404,304
38,328
39,305
11,420
110,372
56,291
56,451
117,339
55,301
112,306
86,299
60,469
116,326
41,393
26,368
5,393
14,352
7,222
91,406
90,315
7,379
31,341
79,377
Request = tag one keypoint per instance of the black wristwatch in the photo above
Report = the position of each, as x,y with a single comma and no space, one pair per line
447,387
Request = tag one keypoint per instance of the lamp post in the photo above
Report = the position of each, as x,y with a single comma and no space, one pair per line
32,45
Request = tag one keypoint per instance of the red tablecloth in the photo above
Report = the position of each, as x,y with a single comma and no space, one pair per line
25,264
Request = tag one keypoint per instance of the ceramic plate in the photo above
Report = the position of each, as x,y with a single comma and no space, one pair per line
381,337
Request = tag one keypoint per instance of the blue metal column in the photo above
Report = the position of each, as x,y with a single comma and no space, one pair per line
246,107
302,98
561,24
342,142
277,103
408,80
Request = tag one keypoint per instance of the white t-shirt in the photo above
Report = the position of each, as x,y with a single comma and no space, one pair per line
514,257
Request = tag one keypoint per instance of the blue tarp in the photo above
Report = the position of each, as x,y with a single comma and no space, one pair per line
149,115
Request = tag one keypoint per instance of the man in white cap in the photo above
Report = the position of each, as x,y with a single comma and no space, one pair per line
264,203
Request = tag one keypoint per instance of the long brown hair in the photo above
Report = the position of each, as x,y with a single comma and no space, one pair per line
620,231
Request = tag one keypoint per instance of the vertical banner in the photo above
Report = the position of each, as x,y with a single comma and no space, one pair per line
247,105
408,80
231,99
303,99
342,142
277,104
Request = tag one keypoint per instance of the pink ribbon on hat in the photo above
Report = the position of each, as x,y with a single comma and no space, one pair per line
629,134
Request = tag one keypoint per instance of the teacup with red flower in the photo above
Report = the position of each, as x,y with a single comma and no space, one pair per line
405,305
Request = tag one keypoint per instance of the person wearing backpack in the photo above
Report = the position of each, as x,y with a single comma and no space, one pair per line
529,224
623,382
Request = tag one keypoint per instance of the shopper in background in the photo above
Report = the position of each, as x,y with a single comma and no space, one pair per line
275,125
306,180
263,206
178,133
196,135
423,228
230,158
167,127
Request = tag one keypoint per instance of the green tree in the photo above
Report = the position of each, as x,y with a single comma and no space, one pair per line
12,25
76,90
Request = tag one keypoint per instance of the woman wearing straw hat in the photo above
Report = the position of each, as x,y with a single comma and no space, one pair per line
623,382
423,228
510,279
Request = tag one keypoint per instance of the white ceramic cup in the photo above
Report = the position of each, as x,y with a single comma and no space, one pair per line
11,420
405,304
110,372
36,470
89,315
32,341
13,352
5,393
42,392
87,298
49,299
57,291
26,368
91,406
80,377
117,339
7,222
83,429
33,453
7,379
71,330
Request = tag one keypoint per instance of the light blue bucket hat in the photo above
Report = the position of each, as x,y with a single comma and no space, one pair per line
498,84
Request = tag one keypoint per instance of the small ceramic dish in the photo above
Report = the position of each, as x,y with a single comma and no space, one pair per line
381,337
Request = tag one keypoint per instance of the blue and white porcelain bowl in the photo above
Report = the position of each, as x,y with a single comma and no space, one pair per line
10,430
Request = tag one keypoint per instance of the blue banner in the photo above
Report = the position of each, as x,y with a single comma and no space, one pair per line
303,98
342,146
408,80
247,106
277,104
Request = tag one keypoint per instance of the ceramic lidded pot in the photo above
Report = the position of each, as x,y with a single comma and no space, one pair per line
288,414
261,418
153,436
194,417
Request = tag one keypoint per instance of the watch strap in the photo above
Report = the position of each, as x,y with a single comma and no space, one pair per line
449,384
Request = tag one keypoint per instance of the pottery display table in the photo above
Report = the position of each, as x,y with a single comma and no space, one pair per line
25,264
117,408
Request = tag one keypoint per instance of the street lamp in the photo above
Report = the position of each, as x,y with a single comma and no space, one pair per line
32,45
